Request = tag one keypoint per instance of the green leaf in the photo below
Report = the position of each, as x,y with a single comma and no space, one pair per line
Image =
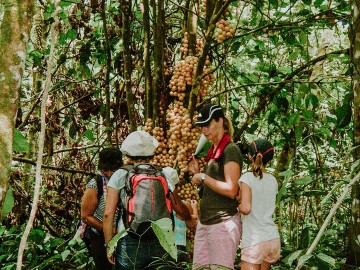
307,2
163,229
113,242
8,202
343,115
303,259
293,119
65,254
20,144
2,230
285,70
36,56
311,101
292,257
287,173
327,259
89,134
308,115
71,34
303,181
72,131
274,3
303,38
66,3
314,192
294,55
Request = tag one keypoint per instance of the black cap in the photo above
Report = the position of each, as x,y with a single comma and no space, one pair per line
110,159
207,113
264,147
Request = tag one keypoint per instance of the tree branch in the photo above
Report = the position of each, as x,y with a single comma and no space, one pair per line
266,100
62,169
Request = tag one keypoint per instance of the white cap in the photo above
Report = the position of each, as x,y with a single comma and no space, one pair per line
139,144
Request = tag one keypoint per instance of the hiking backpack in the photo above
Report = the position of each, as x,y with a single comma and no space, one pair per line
147,197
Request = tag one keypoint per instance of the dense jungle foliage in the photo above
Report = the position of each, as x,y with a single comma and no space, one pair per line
283,70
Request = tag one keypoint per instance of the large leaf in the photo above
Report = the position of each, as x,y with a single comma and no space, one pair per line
8,202
303,181
163,229
113,242
292,257
303,259
343,115
20,144
326,258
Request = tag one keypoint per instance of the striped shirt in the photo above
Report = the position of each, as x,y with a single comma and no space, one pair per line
99,212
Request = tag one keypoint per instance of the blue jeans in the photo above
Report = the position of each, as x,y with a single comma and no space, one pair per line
133,253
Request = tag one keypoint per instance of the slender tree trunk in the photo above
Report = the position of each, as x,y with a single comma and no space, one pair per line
38,26
159,43
14,36
219,10
353,253
38,178
107,74
147,62
126,11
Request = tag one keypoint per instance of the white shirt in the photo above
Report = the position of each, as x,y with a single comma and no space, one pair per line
258,226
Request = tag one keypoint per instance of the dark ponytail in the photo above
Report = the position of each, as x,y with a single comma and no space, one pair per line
261,152
257,165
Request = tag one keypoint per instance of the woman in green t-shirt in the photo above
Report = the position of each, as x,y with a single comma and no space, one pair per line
219,230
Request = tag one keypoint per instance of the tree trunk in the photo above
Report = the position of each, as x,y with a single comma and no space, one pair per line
147,64
218,11
159,45
126,10
14,36
108,123
353,253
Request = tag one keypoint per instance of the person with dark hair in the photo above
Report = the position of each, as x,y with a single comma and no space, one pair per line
92,208
218,233
260,244
136,251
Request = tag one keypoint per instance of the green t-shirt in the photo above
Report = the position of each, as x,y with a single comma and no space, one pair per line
214,207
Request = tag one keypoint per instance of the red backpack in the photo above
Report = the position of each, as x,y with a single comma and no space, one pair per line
147,197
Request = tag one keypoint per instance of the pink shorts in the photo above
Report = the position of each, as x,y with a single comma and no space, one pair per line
268,251
216,245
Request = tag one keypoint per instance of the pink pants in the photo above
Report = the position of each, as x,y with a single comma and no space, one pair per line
217,244
268,251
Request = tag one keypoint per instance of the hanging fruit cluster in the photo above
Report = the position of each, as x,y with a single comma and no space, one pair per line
184,49
183,75
203,5
224,30
182,137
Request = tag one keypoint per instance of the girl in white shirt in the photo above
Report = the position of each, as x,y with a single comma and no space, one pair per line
260,244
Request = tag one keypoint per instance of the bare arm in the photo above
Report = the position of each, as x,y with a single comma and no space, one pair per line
89,203
179,207
195,215
245,205
230,187
109,212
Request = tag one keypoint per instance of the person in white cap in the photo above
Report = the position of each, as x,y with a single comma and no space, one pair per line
134,252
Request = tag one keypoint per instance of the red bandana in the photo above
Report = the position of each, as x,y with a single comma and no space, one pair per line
217,153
